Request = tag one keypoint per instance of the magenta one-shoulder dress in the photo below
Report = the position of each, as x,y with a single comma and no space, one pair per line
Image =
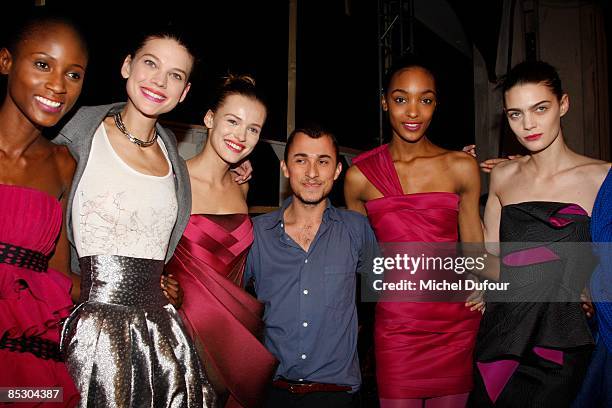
423,349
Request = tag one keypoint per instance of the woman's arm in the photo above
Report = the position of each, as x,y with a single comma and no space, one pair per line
244,188
490,228
60,260
492,215
354,186
466,169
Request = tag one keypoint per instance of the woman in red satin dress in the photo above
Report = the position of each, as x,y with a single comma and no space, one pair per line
208,263
414,191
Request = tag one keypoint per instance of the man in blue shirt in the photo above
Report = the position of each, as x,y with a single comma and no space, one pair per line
303,263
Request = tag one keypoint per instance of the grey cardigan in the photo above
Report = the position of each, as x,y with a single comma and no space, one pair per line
78,134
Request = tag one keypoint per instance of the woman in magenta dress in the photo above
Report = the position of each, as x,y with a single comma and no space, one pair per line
45,76
414,191
224,320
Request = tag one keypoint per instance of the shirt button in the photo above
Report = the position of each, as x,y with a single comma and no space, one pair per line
303,356
305,291
306,261
305,324
282,225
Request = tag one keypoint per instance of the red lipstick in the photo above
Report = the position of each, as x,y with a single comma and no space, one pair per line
533,137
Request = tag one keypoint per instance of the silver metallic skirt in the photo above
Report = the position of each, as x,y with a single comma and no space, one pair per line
125,345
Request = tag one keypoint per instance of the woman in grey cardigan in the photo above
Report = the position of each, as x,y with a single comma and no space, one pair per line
130,201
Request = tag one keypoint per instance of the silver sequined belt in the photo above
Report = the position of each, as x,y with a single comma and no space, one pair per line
122,280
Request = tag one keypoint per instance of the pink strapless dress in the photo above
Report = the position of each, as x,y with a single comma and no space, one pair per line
33,298
223,318
423,349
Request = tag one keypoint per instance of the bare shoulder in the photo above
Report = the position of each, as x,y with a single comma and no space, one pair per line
461,165
63,158
357,190
463,169
244,188
355,179
592,169
65,164
601,168
460,161
595,166
510,166
507,169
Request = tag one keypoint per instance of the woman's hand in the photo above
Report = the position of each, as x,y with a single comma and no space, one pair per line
470,149
243,172
487,165
172,290
586,303
476,301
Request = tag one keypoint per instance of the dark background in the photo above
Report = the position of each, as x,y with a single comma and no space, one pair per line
337,60
337,63
337,57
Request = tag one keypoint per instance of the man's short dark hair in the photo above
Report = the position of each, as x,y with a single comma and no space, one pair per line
313,132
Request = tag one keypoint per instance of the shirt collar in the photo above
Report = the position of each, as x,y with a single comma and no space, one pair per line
330,213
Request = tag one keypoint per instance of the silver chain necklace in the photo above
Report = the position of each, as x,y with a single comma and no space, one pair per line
132,138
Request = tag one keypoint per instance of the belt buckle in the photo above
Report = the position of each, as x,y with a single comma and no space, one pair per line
295,388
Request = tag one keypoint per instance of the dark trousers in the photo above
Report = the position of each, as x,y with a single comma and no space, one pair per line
279,398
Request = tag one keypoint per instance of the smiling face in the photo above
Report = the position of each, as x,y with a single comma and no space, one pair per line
234,129
311,168
534,113
157,76
45,74
410,101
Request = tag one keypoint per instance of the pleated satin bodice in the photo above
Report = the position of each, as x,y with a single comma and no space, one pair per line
224,320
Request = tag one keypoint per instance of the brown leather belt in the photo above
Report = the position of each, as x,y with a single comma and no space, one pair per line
305,387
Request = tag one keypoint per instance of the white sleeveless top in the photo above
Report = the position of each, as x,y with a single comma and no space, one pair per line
120,211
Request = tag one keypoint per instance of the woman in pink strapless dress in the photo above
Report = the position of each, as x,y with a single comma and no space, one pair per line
224,320
35,177
414,191
34,298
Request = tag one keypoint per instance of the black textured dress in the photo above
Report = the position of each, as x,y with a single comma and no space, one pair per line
534,342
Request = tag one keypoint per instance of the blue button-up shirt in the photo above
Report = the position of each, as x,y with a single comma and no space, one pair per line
309,296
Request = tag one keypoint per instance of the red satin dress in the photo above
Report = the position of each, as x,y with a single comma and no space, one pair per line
33,299
221,316
423,349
